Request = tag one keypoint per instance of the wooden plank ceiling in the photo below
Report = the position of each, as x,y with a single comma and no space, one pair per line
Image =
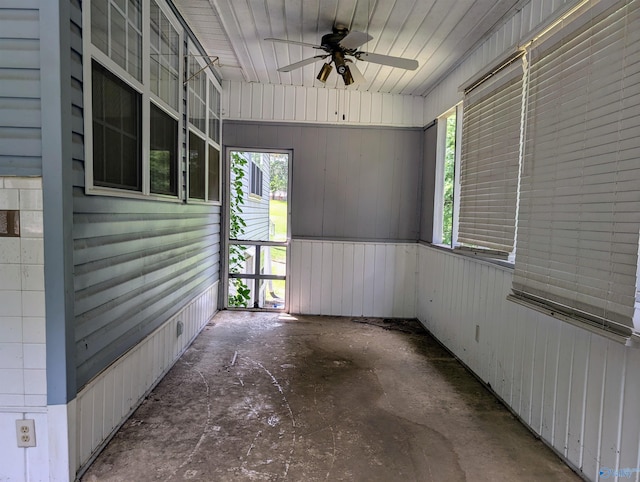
436,33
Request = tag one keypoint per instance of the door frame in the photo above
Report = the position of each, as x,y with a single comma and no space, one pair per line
223,295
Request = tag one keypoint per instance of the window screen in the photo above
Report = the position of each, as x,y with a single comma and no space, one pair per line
116,132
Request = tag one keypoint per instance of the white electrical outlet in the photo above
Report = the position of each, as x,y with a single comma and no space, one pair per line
26,432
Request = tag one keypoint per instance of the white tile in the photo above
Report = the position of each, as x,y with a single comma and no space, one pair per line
12,382
33,303
10,277
31,251
35,400
10,250
31,224
34,330
31,199
11,400
32,277
35,382
10,303
10,329
9,199
23,182
10,355
35,355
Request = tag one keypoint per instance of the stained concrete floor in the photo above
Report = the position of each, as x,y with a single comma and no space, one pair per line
260,396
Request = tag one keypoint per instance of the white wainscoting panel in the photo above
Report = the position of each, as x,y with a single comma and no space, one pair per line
269,102
344,278
108,400
579,391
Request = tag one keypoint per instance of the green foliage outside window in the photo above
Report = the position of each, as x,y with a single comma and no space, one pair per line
449,173
279,173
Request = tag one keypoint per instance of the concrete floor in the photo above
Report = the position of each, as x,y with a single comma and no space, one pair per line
260,396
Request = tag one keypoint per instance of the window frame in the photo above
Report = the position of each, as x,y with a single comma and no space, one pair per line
143,88
438,199
208,137
253,194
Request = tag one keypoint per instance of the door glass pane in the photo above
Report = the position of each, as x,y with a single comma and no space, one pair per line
259,206
258,214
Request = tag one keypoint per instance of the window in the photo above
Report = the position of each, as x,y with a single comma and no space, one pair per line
444,226
164,59
490,161
132,126
204,134
578,226
255,179
163,152
116,29
116,131
197,163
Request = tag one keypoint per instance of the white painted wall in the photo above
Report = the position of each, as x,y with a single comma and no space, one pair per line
577,390
268,102
532,16
23,391
342,278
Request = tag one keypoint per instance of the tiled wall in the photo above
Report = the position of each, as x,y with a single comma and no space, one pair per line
22,322
23,385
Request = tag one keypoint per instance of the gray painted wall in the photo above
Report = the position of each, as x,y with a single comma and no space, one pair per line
20,115
428,181
347,182
136,262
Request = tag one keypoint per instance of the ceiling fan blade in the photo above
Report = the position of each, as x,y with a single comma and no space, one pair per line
295,42
354,39
302,63
358,78
408,64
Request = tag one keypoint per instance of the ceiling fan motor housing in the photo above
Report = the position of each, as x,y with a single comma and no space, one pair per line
331,41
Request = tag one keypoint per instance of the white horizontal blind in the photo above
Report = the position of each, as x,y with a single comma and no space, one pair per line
489,161
580,190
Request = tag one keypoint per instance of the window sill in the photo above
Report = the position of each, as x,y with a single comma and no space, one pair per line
471,254
121,193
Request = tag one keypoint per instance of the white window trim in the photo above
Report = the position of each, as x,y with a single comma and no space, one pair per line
144,89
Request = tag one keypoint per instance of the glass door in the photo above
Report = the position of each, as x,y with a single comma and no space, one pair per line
258,241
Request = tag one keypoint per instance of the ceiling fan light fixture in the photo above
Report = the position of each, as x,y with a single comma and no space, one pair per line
346,76
324,72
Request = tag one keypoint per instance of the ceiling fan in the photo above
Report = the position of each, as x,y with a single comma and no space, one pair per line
339,45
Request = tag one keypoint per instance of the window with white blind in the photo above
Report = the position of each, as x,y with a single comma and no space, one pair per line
579,214
490,160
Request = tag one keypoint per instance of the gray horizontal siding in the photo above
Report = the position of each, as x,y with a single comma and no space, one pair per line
348,182
136,263
20,114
